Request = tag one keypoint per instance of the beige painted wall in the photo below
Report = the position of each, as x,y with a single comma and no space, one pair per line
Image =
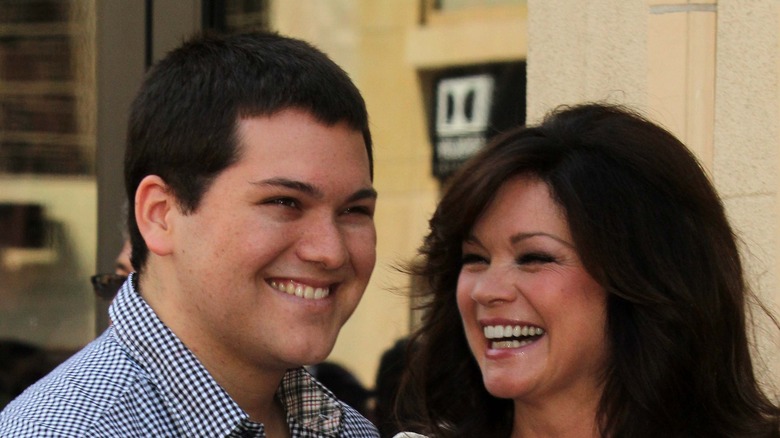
708,71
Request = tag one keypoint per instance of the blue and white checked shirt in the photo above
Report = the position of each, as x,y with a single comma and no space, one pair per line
139,380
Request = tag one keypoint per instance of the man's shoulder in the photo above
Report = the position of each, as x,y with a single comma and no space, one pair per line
74,398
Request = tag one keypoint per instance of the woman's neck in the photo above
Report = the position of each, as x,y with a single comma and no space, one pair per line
569,416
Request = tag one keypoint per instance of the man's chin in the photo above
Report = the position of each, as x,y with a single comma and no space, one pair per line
312,355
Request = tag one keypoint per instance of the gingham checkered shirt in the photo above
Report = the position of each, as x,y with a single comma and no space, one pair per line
139,380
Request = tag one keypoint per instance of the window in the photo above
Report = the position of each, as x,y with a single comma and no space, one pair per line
47,165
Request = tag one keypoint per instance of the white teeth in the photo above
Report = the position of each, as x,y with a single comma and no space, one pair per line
302,291
509,344
499,331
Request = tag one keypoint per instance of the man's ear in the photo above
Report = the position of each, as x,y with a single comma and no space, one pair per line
155,205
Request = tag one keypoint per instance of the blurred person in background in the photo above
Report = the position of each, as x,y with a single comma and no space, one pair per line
106,286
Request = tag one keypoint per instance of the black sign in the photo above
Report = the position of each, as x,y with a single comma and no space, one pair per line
472,104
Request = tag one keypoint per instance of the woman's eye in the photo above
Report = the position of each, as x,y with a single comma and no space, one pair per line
471,259
535,258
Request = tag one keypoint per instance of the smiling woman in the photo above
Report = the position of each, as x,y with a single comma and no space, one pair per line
533,316
583,281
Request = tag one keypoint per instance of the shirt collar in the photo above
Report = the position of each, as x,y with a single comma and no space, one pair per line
309,404
195,400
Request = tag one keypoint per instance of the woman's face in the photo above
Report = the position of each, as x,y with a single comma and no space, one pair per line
533,316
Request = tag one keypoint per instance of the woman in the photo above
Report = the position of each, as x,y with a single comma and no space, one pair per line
584,281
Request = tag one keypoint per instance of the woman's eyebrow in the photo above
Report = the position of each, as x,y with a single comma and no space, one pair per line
525,235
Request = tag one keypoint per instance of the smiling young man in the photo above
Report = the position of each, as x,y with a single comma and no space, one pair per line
250,170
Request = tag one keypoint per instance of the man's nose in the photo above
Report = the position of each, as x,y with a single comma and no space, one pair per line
323,242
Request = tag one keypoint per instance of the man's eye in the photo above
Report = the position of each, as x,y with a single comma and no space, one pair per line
360,209
285,202
535,258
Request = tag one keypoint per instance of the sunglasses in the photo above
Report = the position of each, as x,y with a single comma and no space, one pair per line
106,286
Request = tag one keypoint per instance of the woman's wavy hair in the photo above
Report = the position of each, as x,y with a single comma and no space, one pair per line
651,229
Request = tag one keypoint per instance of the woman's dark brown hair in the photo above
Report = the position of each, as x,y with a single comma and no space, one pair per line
650,228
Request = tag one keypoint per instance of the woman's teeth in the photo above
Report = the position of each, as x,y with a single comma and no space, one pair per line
300,290
510,344
503,335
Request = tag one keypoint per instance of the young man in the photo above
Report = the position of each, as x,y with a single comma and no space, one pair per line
249,167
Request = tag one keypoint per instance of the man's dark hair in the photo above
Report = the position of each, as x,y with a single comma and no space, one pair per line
183,121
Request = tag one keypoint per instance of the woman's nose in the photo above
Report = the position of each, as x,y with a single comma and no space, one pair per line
493,286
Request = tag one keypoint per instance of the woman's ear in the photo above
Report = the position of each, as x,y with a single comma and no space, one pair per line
154,205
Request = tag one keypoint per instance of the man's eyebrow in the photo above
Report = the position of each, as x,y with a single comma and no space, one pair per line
368,193
291,184
312,190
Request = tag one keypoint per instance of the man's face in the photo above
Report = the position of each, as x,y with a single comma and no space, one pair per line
281,247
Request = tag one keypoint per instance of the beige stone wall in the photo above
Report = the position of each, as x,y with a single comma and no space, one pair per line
588,52
747,139
658,57
709,72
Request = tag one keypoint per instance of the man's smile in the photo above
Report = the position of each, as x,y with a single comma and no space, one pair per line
301,290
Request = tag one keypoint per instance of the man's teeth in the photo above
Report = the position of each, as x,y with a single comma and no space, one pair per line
506,332
299,290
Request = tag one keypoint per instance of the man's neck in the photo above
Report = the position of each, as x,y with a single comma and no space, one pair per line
258,398
253,388
277,427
